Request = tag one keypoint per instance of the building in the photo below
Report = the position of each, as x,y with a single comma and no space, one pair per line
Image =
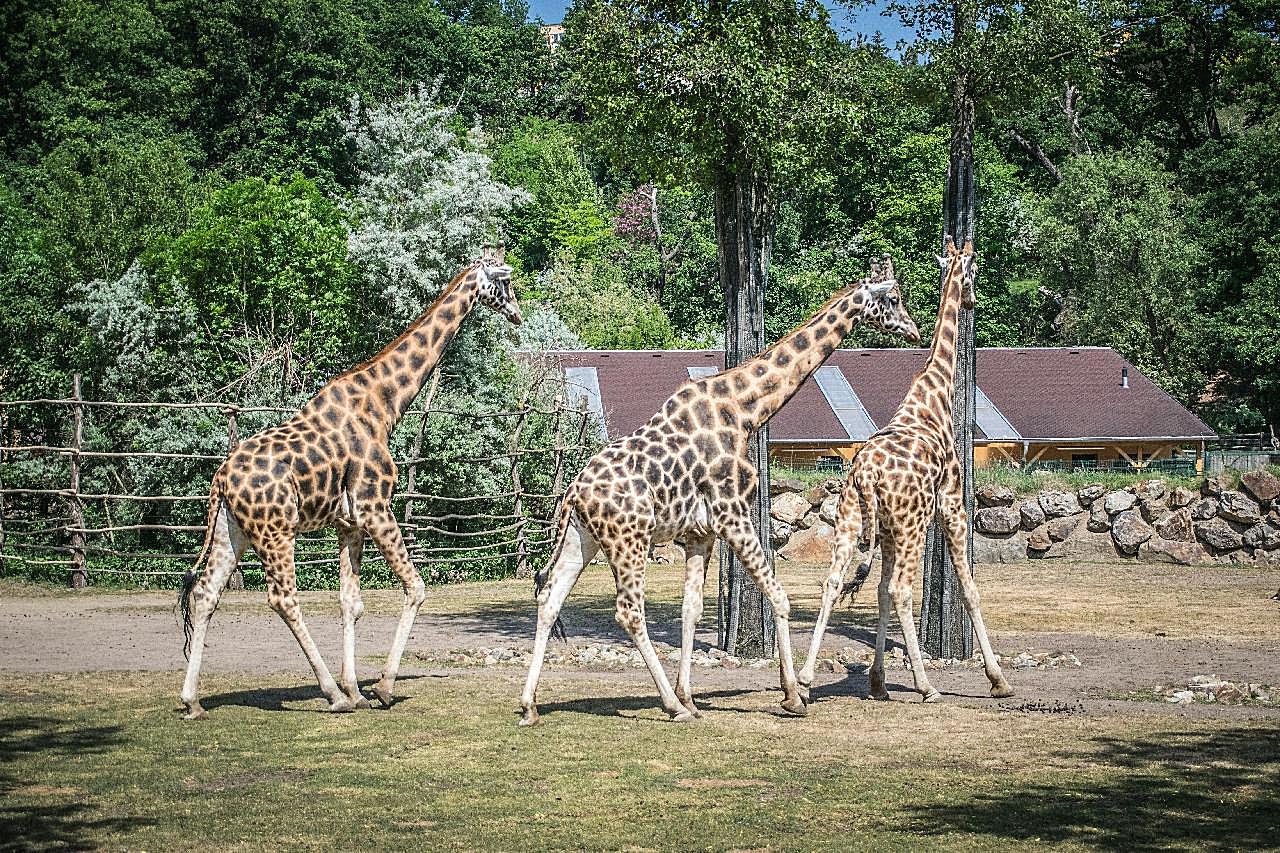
554,34
1079,406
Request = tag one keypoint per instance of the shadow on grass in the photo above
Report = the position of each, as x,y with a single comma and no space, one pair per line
48,824
626,706
279,698
1204,789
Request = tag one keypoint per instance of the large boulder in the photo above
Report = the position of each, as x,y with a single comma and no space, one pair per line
783,485
1180,497
1220,534
1215,485
1237,506
1091,493
1157,550
1061,528
811,545
1129,531
1099,521
1117,502
1000,549
1262,484
779,532
833,485
1032,514
1153,512
1149,491
1089,547
1205,509
1038,540
997,520
816,495
789,507
828,509
1177,526
1262,536
810,519
1058,504
993,494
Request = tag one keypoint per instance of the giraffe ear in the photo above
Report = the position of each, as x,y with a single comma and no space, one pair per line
943,261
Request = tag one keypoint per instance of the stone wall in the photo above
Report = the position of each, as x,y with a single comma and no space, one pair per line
1146,522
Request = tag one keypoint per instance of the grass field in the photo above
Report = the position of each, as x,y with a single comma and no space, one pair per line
101,760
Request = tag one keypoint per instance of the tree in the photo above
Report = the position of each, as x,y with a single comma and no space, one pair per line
735,95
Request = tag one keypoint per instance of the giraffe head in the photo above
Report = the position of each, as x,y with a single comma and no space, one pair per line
960,262
493,277
883,305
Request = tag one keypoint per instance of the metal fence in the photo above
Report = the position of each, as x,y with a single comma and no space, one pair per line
61,515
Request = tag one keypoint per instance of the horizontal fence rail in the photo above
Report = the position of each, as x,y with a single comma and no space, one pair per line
119,489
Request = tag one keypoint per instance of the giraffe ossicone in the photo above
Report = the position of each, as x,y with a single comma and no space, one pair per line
686,474
898,479
330,465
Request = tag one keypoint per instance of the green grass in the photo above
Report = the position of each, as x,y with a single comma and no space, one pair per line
103,761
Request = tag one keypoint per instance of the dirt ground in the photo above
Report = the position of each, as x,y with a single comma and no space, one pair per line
1132,627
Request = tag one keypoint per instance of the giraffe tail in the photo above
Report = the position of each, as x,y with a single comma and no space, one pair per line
563,516
193,574
868,508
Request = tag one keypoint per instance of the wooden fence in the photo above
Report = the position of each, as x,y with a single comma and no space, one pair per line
489,514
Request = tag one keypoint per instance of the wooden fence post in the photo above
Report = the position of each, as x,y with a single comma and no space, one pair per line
236,580
79,577
412,483
522,545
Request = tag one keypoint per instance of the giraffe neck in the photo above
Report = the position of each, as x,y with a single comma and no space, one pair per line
382,388
789,362
939,373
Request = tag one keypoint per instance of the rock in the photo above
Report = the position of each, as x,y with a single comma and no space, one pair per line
779,532
1181,697
997,520
1099,521
1157,550
1149,491
1060,528
1000,549
1238,506
833,485
1057,504
810,519
811,545
816,495
785,485
1215,485
1117,502
789,507
1204,509
1262,536
1091,493
1219,533
1177,526
828,509
1180,497
1129,531
1032,515
1038,539
1087,547
993,494
1153,512
1262,484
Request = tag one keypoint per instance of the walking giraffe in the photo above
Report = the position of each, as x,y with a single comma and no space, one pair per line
686,473
896,479
330,464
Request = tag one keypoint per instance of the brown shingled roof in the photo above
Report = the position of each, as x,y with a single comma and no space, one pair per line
1044,393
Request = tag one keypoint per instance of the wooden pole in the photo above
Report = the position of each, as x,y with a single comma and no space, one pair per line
513,447
236,580
75,508
412,483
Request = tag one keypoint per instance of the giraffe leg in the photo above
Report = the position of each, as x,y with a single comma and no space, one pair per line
845,547
740,534
627,558
956,521
385,533
224,552
911,551
282,597
695,555
884,602
575,552
350,550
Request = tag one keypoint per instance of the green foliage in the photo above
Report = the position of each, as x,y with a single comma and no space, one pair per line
596,302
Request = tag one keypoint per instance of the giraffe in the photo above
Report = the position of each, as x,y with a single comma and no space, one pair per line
686,474
896,480
330,465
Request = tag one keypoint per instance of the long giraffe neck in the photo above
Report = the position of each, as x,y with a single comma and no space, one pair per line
775,375
381,389
939,373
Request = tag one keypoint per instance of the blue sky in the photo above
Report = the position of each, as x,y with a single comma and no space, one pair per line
848,24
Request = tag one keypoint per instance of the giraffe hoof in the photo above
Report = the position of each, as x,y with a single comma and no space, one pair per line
530,717
795,705
931,696
684,716
804,691
362,702
383,695
342,706
194,712
880,695
1001,691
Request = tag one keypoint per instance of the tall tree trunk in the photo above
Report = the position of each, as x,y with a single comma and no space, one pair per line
744,234
945,628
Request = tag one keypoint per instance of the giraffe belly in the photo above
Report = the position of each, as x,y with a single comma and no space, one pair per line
692,519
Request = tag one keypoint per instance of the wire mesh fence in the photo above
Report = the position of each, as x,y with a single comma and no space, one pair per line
96,490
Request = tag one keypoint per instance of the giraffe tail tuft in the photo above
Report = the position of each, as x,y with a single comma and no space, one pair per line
868,508
193,574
